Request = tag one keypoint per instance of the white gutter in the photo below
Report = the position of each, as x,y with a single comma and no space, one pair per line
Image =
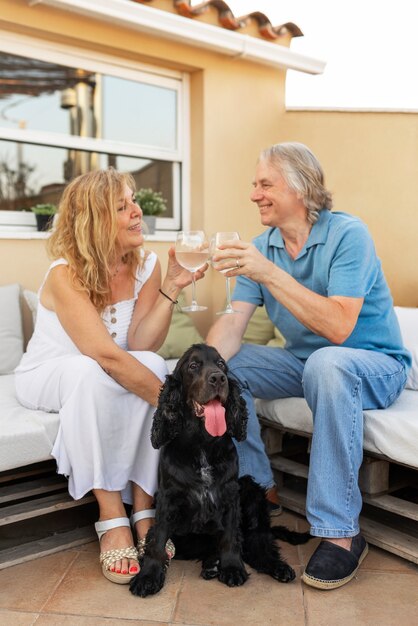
177,28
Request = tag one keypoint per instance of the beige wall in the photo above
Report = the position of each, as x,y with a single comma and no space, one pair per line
371,163
237,108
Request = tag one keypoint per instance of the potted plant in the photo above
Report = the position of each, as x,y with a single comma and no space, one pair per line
152,204
44,214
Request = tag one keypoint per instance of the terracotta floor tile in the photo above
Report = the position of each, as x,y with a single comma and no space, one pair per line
307,549
289,553
373,598
287,518
15,618
293,522
29,585
85,591
68,589
92,546
76,620
261,600
383,561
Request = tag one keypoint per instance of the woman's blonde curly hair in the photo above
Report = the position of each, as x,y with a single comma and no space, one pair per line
86,232
303,173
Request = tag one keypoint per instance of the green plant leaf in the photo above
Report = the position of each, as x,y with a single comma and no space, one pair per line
150,201
44,209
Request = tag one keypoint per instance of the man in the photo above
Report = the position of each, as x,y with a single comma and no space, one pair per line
318,275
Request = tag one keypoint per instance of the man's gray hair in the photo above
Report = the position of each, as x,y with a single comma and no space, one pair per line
303,173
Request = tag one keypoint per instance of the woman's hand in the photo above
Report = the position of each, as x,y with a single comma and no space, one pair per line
178,275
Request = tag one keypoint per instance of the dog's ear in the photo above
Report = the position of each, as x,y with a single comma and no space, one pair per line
236,412
167,418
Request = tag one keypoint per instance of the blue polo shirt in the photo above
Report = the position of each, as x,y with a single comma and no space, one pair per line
338,259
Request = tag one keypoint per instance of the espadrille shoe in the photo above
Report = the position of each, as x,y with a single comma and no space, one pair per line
109,557
332,566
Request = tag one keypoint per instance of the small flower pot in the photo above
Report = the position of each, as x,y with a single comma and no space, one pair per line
43,222
149,221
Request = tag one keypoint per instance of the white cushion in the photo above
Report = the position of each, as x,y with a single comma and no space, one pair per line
11,331
408,322
31,299
392,432
26,436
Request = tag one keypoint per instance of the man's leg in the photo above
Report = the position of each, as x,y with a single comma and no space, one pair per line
338,384
267,373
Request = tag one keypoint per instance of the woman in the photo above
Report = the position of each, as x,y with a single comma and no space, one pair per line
102,314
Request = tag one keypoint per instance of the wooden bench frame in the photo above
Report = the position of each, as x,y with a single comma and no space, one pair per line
37,515
387,521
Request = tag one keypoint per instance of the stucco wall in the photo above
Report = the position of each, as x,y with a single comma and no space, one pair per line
371,163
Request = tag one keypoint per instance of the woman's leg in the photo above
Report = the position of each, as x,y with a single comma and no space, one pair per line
141,502
111,507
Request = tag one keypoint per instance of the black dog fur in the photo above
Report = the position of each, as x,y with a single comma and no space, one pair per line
208,512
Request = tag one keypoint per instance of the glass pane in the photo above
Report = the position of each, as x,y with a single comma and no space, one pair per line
148,174
139,113
31,174
39,95
51,97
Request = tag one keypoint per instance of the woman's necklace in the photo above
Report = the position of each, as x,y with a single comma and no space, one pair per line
117,270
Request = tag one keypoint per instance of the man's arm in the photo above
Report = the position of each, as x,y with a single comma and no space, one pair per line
228,330
332,317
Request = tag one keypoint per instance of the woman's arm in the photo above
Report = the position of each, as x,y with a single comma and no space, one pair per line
153,311
85,327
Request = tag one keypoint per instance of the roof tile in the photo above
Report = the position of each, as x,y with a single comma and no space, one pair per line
228,20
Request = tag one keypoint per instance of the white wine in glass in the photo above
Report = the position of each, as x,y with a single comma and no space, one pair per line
216,241
192,252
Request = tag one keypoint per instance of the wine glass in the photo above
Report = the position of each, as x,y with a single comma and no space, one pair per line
216,241
192,252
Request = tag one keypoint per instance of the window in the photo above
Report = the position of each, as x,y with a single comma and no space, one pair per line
59,120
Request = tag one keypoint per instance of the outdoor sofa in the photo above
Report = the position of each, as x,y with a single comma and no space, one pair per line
30,490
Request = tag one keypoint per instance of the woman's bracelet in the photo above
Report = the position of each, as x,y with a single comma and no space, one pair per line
168,297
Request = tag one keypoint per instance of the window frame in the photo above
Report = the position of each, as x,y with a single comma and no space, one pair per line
120,67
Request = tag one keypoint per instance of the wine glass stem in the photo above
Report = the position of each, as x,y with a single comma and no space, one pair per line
228,293
194,303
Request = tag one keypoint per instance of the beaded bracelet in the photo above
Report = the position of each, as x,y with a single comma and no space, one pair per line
168,297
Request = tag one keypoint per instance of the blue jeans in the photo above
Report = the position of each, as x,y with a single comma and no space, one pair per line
337,383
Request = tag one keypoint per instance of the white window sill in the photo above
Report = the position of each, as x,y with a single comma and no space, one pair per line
8,233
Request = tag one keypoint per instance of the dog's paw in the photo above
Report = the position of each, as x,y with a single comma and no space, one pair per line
284,573
144,585
210,569
233,576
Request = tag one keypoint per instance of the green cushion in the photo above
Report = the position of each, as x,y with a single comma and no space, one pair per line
278,340
260,329
181,334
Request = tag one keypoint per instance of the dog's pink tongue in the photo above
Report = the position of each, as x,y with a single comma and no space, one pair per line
215,422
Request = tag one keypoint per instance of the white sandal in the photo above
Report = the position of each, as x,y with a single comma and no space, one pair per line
150,514
109,557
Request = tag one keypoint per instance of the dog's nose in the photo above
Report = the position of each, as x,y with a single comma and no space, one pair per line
217,378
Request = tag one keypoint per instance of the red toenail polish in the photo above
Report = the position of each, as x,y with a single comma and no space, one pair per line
124,571
134,570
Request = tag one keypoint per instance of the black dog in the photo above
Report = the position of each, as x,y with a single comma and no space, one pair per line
201,505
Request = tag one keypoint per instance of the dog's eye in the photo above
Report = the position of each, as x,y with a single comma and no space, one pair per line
221,364
193,365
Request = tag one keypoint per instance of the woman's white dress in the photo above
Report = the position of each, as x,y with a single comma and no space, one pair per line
103,441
